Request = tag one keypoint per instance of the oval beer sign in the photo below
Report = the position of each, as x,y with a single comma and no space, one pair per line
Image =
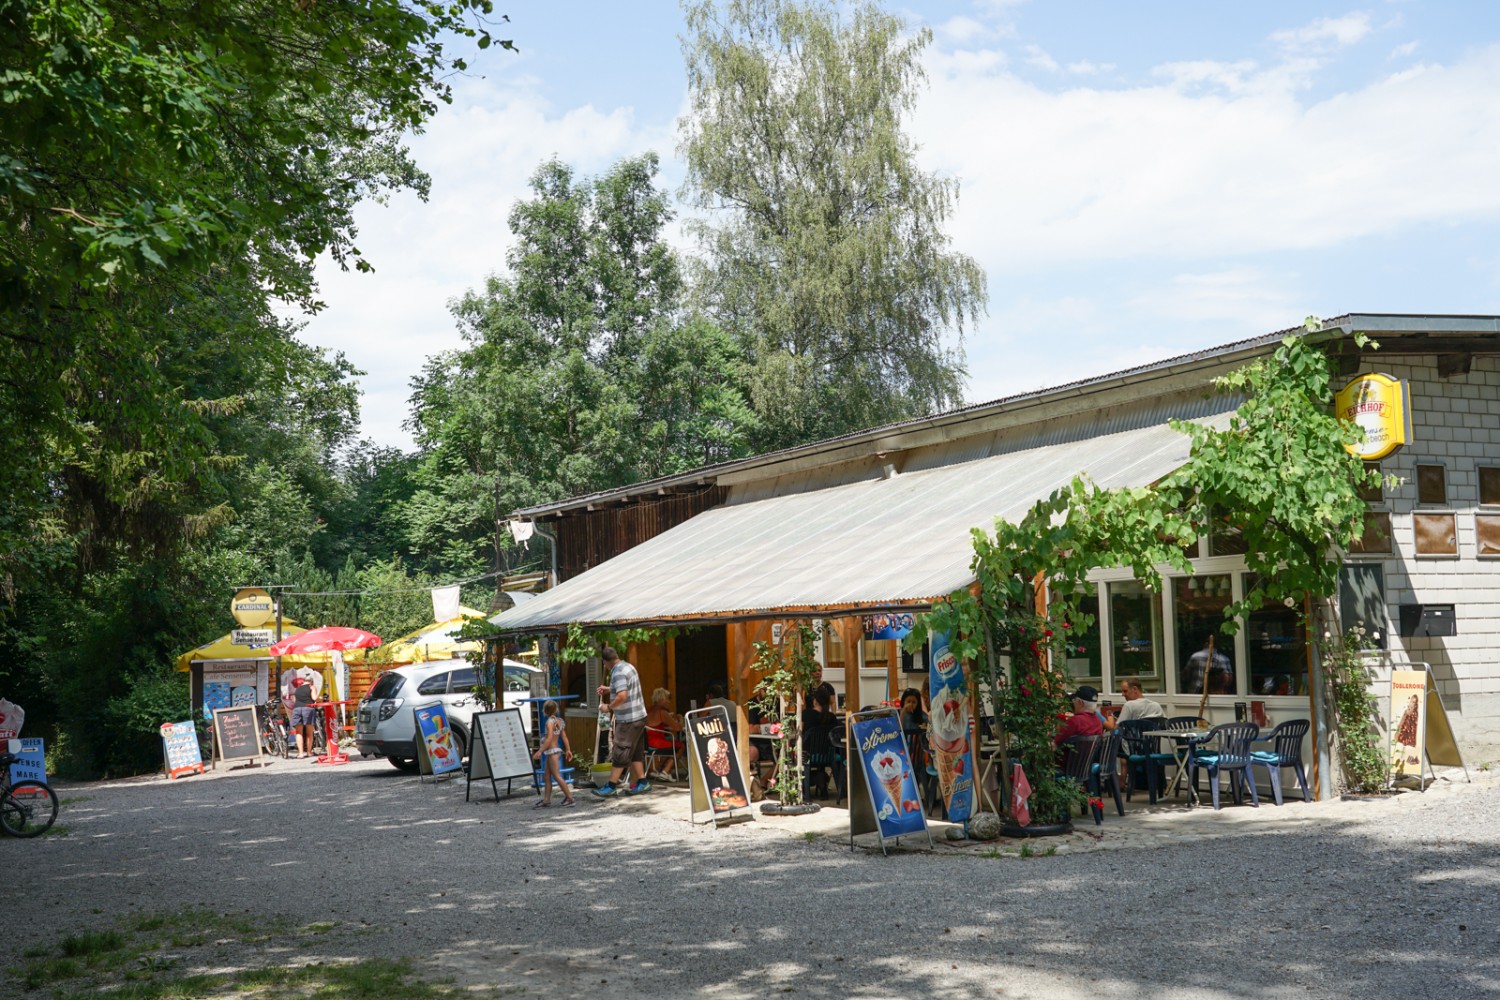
252,607
1377,403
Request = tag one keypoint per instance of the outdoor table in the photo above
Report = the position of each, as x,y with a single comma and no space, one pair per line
335,753
1184,742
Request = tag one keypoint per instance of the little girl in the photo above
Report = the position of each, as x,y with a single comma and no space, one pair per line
554,744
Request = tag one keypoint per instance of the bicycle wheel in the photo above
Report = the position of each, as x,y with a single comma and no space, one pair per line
28,809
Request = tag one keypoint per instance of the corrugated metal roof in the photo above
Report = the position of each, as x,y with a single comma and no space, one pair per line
865,544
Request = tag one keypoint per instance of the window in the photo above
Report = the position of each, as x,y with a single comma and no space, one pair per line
1489,485
1362,599
462,681
517,679
1276,647
1487,535
1136,633
1203,649
436,684
1437,534
1377,536
387,685
1225,539
1372,494
1432,484
1081,659
876,653
833,650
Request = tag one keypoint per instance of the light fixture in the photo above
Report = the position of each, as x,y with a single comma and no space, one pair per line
1193,584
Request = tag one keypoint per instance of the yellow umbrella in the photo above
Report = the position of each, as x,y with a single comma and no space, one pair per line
438,641
224,648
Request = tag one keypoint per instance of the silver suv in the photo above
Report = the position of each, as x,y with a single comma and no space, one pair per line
385,726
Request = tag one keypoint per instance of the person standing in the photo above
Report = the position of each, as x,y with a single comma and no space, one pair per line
304,716
551,754
627,733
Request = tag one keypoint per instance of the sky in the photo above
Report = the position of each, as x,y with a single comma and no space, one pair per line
1137,180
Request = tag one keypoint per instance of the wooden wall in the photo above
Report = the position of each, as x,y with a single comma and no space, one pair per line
586,539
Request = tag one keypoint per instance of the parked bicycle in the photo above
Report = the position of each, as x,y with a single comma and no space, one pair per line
27,808
275,735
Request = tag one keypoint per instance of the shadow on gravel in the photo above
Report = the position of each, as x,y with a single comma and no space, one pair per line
594,898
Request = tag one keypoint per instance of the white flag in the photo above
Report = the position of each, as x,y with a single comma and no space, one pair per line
444,603
521,531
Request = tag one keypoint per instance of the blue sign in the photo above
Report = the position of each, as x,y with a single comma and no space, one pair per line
948,730
893,788
889,626
179,742
31,762
437,739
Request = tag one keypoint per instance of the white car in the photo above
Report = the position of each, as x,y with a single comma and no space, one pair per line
385,726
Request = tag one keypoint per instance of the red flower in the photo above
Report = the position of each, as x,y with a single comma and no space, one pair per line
1047,633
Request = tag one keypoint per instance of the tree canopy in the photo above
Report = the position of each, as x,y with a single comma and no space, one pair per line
824,251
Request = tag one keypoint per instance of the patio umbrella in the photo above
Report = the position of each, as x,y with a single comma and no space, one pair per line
325,639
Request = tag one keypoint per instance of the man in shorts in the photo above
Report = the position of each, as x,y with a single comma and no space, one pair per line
627,734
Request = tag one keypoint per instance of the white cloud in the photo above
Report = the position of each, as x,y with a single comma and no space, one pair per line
1086,68
1156,172
1035,56
1326,34
1238,295
1403,50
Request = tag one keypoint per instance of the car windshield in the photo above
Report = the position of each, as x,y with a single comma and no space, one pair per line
387,686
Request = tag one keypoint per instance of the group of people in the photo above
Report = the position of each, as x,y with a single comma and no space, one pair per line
1087,720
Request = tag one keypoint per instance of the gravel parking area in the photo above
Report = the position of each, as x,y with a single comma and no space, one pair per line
1380,898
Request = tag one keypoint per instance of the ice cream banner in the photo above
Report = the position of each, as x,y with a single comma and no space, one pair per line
1407,721
179,742
887,768
436,739
716,762
949,730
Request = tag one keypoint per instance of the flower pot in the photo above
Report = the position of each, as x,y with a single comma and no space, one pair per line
800,809
1037,830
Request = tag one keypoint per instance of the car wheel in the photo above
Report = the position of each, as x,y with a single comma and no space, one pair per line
407,764
460,743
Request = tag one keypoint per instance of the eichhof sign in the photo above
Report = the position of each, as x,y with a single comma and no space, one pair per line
1378,404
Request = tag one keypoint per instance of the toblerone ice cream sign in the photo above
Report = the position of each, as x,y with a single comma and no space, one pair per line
1377,403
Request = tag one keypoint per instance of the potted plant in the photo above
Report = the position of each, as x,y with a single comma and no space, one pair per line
787,673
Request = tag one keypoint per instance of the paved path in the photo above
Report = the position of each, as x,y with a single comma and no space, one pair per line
1391,898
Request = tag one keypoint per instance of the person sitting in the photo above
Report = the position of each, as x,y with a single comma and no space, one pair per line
914,721
717,696
1137,705
1085,718
663,731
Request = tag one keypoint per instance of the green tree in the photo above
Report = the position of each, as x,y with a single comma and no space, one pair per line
582,372
826,254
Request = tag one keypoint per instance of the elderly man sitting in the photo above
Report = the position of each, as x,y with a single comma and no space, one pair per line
1085,718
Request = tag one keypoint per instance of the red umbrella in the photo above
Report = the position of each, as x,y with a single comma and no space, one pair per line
321,640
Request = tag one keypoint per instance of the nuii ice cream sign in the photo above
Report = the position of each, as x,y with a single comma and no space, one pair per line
949,729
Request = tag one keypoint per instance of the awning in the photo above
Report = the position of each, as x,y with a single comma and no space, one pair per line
879,544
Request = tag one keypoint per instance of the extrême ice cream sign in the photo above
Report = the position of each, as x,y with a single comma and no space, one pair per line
1378,404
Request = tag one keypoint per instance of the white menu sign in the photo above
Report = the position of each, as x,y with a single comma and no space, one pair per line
500,751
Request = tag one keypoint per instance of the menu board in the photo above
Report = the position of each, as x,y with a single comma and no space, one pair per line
179,742
499,750
884,771
436,754
31,760
717,775
237,733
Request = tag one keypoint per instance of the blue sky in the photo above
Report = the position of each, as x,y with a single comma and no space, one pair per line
1138,180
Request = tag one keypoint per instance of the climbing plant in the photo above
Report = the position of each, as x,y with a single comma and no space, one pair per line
787,673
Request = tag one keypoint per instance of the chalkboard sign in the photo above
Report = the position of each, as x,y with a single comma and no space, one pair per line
717,777
499,751
237,734
179,743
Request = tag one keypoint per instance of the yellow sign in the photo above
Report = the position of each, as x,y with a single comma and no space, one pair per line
1376,403
1419,726
252,607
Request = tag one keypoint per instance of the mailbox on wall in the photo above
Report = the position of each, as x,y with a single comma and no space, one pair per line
1428,619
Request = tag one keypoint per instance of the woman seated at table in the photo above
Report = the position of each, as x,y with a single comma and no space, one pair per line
663,730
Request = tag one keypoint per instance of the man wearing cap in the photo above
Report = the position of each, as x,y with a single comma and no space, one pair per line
1085,718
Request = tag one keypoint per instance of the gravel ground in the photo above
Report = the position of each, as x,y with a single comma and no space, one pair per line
1380,898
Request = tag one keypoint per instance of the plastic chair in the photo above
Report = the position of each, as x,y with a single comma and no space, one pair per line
820,755
1232,755
1106,769
1144,756
1286,751
673,751
1182,723
1080,753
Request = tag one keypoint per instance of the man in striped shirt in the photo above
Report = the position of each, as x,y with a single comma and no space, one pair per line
627,733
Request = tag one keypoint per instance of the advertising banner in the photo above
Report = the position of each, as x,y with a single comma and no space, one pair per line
31,761
11,718
1408,722
888,779
435,740
179,742
720,785
1378,404
949,730
889,626
231,687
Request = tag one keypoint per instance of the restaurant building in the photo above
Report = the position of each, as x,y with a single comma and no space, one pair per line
852,530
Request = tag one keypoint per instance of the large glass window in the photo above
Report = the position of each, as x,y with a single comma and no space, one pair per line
1135,633
1205,654
1082,658
833,651
1276,644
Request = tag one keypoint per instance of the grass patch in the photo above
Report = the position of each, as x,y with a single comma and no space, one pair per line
153,956
810,835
